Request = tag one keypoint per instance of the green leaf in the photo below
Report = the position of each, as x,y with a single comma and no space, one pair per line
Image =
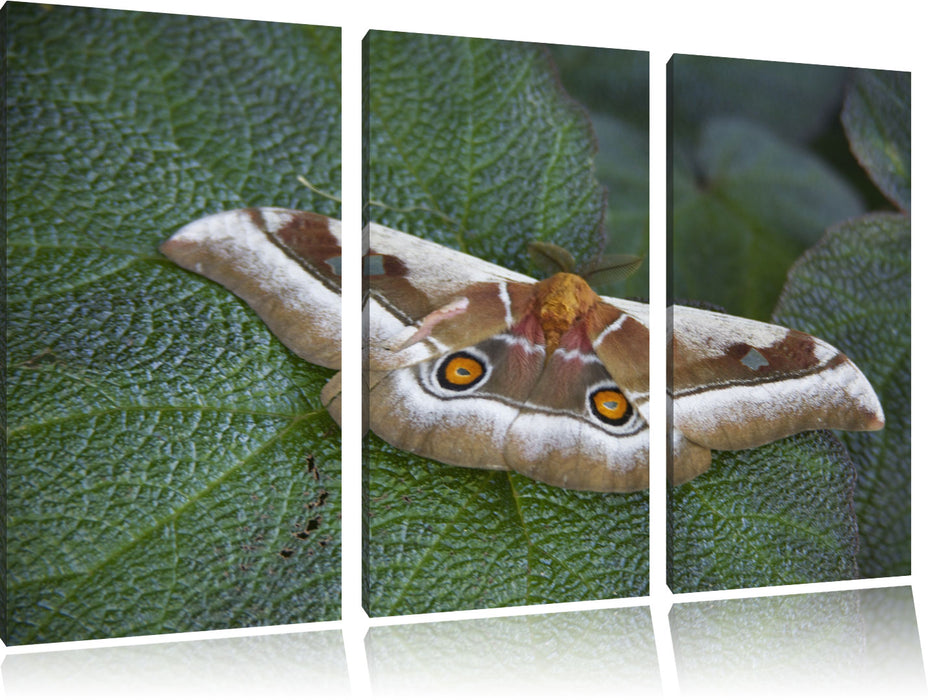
449,538
876,117
745,205
859,277
780,514
465,148
473,144
157,433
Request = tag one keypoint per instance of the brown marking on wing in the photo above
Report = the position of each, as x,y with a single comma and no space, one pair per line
625,352
308,239
386,276
793,355
485,315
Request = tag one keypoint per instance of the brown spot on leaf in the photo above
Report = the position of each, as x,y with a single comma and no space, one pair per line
312,468
319,500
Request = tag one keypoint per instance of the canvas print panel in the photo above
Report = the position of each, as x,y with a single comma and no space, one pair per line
169,464
790,205
485,485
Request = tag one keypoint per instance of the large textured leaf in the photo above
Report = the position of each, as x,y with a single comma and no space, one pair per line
861,270
780,514
876,117
157,433
463,133
472,144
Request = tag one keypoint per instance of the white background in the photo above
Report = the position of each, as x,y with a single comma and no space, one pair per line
895,35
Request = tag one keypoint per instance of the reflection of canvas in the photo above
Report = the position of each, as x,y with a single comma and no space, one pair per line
863,641
168,465
769,223
476,145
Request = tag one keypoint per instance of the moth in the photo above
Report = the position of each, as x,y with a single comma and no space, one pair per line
475,365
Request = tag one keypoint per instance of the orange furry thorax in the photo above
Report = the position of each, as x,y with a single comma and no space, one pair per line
559,302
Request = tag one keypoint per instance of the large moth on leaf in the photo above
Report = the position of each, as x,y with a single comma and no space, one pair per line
478,366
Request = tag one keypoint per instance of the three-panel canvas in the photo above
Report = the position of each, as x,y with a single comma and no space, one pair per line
173,287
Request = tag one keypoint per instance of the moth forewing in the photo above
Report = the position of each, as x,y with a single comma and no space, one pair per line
738,383
285,264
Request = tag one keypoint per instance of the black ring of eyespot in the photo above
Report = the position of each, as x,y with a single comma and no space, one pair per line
461,371
599,400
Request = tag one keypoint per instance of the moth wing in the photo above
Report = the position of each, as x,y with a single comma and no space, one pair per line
525,414
421,275
331,397
738,383
285,264
424,299
424,302
620,335
420,408
583,425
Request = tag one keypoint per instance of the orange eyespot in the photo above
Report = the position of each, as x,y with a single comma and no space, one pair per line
610,406
460,371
